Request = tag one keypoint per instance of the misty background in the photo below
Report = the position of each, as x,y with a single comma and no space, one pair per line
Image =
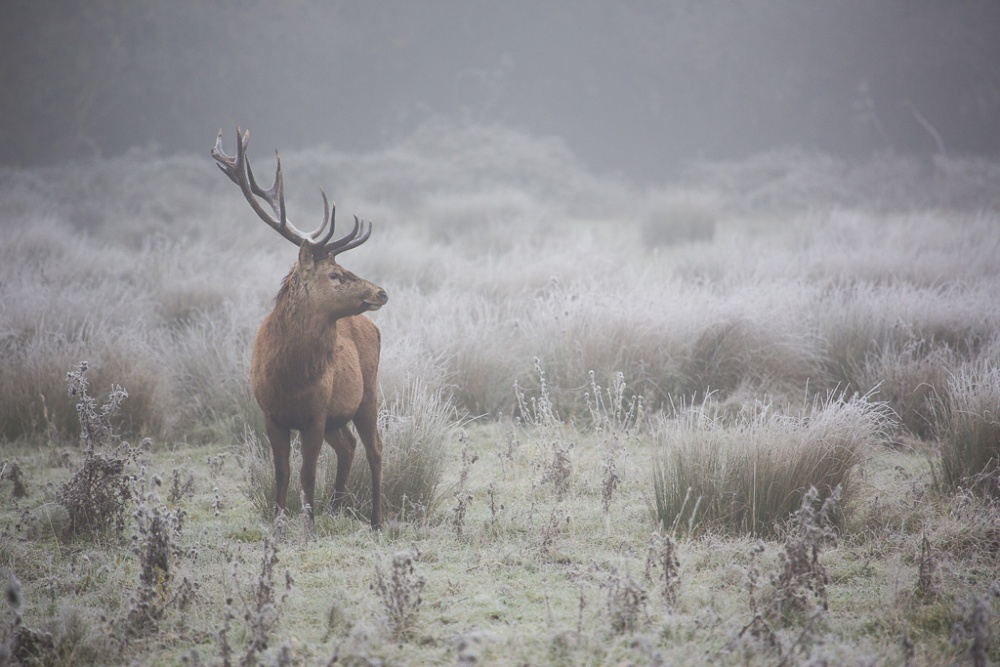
638,89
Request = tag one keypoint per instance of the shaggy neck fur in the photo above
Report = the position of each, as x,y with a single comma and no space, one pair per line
304,338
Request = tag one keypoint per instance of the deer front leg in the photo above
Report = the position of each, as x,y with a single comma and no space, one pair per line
312,443
280,439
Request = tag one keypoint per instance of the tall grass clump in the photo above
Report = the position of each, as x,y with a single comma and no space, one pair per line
862,322
968,418
907,378
32,392
749,473
415,426
746,351
209,376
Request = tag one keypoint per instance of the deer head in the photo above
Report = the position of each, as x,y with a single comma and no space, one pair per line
317,277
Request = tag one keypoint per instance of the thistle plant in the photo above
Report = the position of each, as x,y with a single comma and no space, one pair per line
400,589
98,495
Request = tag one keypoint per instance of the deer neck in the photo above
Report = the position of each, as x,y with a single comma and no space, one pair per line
308,338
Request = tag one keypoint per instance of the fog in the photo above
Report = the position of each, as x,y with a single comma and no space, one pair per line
635,89
658,266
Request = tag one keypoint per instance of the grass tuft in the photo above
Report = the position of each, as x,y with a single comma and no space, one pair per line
968,417
748,475
416,424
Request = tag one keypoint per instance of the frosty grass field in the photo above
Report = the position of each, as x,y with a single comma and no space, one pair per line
604,409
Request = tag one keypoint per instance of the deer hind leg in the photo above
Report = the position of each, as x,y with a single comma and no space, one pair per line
343,443
280,439
366,421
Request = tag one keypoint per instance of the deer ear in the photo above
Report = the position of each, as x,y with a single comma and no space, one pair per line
307,260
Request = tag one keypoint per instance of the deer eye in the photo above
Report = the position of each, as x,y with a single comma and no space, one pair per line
335,277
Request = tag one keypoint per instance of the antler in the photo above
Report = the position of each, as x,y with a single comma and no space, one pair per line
237,168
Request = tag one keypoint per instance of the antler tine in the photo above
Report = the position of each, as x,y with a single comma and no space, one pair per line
248,184
362,230
355,238
363,236
277,189
227,163
328,219
237,168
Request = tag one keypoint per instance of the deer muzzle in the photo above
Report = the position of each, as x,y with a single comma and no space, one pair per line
379,300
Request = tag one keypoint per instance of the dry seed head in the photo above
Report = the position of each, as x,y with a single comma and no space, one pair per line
401,592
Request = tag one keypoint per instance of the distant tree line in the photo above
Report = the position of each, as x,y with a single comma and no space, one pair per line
637,87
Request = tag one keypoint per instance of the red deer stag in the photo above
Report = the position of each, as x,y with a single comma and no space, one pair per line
315,358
